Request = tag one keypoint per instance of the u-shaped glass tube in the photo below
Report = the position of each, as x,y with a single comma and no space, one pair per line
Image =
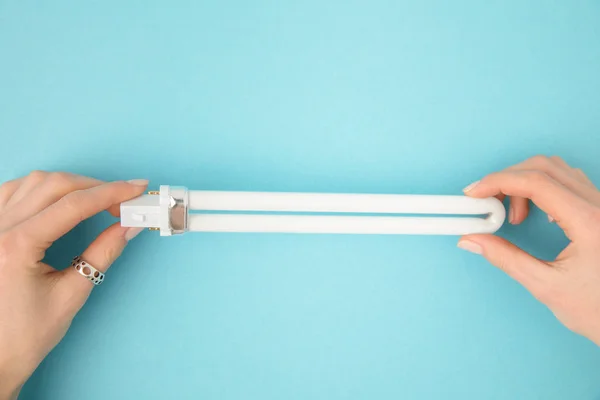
171,211
463,213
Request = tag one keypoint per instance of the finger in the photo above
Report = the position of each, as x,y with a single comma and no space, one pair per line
576,173
62,216
522,267
7,189
560,162
29,182
570,211
519,210
101,254
55,186
558,169
519,206
114,210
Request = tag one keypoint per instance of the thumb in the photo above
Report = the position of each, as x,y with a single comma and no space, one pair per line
521,266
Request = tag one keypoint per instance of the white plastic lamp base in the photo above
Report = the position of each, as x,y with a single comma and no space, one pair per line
170,211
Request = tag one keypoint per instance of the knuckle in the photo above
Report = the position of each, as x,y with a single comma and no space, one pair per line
37,175
539,157
72,203
542,162
60,180
579,172
6,188
109,254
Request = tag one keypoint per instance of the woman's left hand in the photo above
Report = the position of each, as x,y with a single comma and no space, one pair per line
38,302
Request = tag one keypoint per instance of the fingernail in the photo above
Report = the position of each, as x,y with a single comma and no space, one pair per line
138,182
511,216
471,186
132,232
551,219
470,246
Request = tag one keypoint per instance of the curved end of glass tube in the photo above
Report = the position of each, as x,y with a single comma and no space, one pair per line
497,214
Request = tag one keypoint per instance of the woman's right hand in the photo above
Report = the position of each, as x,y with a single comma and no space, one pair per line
570,284
37,301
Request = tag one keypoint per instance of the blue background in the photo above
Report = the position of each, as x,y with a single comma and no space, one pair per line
340,96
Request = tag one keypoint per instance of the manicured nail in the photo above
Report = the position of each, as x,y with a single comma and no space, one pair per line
132,232
511,215
471,186
138,182
470,246
551,219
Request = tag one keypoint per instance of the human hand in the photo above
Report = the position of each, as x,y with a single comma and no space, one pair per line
569,285
37,302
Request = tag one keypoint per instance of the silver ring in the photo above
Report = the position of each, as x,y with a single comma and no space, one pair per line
85,269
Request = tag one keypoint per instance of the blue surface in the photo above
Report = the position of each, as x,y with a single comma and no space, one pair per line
342,96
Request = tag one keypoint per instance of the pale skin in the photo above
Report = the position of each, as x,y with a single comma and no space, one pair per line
38,302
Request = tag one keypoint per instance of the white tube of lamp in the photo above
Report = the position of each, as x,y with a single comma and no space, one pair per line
169,211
